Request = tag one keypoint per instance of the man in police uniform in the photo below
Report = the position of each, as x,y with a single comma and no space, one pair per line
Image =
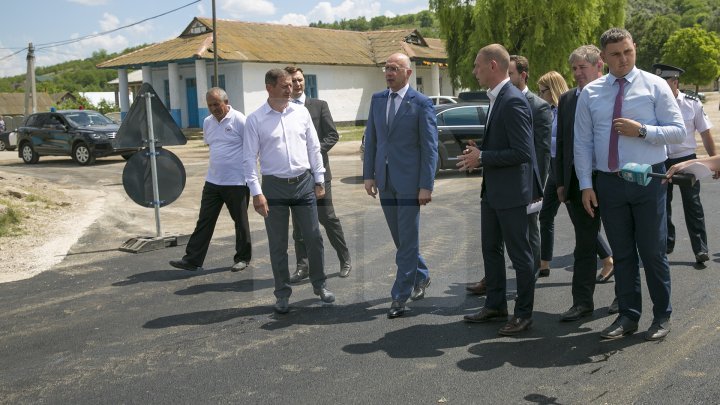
695,120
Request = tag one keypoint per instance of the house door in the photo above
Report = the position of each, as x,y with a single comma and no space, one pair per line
192,101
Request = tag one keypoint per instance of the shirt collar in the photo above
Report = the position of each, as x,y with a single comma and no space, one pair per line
301,99
492,94
267,109
400,92
629,77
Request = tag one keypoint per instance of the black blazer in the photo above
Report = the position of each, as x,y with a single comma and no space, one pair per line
510,177
325,127
565,136
542,132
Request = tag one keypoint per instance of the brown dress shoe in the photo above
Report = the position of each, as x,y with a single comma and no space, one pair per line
487,315
515,326
479,288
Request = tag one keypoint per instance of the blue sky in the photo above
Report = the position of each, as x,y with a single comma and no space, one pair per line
48,21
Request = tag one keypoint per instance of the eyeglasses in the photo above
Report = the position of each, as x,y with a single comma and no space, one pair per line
542,91
393,69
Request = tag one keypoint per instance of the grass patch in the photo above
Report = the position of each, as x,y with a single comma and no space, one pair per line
37,198
353,133
9,221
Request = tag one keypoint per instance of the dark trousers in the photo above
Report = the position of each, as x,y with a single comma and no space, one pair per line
283,196
333,229
500,228
693,210
237,199
584,255
635,223
534,239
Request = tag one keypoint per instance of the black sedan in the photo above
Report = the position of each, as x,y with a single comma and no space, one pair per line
457,124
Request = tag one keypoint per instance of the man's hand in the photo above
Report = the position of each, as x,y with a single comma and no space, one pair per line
319,192
561,194
424,196
371,188
627,127
469,158
260,205
589,201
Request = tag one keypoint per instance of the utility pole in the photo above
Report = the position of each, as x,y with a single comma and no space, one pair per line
215,57
30,93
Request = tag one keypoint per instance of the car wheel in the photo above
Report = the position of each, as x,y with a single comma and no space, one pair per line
29,156
82,154
127,156
2,146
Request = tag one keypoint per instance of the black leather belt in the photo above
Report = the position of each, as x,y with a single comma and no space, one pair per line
290,180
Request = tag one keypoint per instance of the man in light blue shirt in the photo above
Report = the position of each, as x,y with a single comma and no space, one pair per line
629,115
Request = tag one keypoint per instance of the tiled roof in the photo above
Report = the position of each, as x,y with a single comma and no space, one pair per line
14,103
273,43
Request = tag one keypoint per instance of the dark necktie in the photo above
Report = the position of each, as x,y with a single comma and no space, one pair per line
391,113
296,101
613,163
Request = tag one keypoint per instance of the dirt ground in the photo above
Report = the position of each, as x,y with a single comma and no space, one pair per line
55,216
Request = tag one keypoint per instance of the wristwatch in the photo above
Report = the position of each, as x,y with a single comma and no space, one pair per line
642,132
480,158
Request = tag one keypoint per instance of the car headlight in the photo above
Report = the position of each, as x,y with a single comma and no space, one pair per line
98,136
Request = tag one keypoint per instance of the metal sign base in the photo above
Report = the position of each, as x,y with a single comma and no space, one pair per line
143,244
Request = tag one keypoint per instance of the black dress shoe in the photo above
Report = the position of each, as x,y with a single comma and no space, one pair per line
701,257
670,248
397,309
614,307
479,288
325,295
621,327
515,326
184,265
345,269
418,292
575,312
544,273
281,306
604,279
658,330
487,315
300,274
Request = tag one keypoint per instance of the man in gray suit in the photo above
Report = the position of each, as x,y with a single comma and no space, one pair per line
328,136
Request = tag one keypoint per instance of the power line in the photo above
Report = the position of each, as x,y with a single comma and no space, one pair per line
70,41
48,45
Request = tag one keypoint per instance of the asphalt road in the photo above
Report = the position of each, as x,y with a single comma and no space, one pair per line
110,327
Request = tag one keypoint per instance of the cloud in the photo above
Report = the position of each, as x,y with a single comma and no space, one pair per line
201,9
89,2
293,19
109,22
325,12
245,8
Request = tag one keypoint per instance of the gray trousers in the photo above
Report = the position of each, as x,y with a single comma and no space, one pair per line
298,195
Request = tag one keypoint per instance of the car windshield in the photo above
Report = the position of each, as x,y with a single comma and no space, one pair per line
88,118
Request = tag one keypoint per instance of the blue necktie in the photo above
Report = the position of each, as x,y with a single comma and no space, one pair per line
391,113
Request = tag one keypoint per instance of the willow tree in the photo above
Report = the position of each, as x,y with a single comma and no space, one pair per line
544,31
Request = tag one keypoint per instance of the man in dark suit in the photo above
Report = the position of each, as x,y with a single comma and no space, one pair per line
399,163
519,72
510,182
325,127
586,66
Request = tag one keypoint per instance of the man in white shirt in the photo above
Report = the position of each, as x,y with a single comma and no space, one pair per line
282,136
695,119
224,184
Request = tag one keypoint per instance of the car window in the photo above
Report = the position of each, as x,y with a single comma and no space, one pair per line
462,116
34,121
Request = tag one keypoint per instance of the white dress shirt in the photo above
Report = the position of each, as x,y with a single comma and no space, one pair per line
285,142
695,119
225,139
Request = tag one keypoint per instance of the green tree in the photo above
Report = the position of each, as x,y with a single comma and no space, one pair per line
650,44
538,30
695,50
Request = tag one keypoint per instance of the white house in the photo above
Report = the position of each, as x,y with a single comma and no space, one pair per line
341,67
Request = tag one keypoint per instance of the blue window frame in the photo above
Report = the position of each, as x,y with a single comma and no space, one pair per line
311,86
